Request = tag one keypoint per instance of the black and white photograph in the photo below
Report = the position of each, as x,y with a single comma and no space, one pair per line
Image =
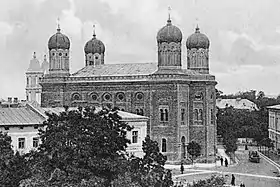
139,93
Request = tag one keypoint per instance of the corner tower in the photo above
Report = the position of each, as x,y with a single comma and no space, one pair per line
59,45
169,40
198,52
94,51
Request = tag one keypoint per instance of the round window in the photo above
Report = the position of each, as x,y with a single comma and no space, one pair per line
120,96
107,97
53,54
60,54
94,97
96,57
76,97
139,96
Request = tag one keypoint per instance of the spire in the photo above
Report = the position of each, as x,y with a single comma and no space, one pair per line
169,19
34,55
58,25
197,28
94,35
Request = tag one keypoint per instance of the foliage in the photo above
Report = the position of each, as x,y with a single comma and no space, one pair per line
83,144
13,168
194,149
214,180
149,171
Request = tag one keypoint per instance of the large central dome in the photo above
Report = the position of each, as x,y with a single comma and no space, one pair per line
169,33
59,41
94,46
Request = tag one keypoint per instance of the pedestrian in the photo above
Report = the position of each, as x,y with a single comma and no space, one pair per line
182,168
242,184
222,161
232,180
226,162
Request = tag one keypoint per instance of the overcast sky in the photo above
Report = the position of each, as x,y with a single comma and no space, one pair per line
244,36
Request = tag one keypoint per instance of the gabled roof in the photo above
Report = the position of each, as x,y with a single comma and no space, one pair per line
19,116
117,70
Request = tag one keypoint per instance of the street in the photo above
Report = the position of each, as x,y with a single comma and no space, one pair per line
252,174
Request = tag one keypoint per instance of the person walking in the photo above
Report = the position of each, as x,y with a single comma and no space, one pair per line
222,161
242,184
232,180
226,162
182,168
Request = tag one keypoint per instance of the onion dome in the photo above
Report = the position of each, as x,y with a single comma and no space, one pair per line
169,33
34,65
197,40
59,41
94,46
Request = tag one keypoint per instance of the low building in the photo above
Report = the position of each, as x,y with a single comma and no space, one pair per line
274,125
237,103
22,124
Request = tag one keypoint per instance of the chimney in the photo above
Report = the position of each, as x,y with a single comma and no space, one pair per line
9,99
15,100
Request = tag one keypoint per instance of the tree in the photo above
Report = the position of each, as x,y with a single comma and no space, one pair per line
13,168
149,170
194,149
84,144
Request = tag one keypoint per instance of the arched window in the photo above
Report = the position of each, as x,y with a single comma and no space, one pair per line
200,114
141,112
183,147
195,114
166,114
182,114
137,111
161,115
211,116
163,145
94,97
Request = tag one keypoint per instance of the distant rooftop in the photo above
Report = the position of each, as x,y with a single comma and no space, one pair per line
237,103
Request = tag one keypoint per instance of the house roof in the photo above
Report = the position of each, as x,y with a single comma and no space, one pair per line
274,107
236,103
19,116
126,116
117,70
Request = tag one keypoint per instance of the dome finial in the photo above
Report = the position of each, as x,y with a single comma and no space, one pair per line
58,25
34,55
45,57
169,19
94,35
197,28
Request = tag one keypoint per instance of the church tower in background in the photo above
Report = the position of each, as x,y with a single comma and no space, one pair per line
33,74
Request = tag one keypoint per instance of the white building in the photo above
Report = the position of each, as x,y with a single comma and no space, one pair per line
274,125
22,124
237,103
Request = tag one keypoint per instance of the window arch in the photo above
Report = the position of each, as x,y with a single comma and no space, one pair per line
76,97
163,145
